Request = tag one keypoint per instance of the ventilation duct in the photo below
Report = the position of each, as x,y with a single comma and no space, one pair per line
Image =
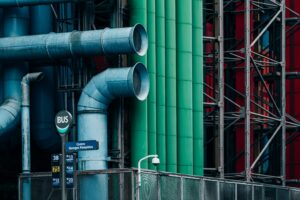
92,120
73,44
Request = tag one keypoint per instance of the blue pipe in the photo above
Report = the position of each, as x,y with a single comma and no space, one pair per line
21,3
92,120
15,24
1,71
74,44
43,97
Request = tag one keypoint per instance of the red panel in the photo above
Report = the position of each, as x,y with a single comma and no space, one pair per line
293,93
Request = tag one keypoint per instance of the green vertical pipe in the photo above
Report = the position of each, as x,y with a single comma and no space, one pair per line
171,121
138,115
184,86
151,60
197,87
161,85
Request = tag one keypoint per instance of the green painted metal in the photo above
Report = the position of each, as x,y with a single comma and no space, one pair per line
151,60
160,84
197,87
138,115
184,86
171,121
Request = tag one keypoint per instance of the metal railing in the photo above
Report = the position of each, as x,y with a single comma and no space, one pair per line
122,184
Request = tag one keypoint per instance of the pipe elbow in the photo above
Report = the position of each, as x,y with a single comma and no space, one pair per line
113,83
9,115
36,76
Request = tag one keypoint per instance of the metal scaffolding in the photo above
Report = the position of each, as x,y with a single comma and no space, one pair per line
246,38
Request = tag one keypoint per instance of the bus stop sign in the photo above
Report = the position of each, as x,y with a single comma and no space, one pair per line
63,121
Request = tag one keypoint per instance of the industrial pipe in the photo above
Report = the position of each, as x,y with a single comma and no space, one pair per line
197,27
161,82
151,64
26,118
26,158
21,3
42,126
184,86
15,23
76,43
92,120
171,103
139,110
9,115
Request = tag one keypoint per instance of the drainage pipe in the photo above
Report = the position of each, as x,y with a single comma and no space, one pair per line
139,110
76,43
161,85
15,24
197,88
21,3
171,121
184,86
92,120
26,118
42,126
26,158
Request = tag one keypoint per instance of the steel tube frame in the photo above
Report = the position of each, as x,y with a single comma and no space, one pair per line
247,90
220,37
269,117
283,93
265,147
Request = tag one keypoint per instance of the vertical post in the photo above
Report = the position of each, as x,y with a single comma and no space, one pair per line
247,89
283,91
220,31
63,168
137,186
26,160
63,121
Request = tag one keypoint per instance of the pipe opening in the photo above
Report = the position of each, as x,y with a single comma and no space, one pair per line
140,81
140,39
40,76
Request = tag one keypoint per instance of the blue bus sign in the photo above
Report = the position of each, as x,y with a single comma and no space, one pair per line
82,146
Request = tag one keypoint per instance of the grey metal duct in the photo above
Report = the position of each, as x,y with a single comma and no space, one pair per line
21,3
74,44
92,119
26,118
26,155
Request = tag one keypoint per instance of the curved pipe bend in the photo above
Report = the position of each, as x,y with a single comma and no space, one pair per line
9,115
36,76
113,83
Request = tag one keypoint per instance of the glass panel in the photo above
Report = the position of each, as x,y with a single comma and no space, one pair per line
258,192
227,191
244,192
149,189
170,188
191,189
270,193
210,190
282,194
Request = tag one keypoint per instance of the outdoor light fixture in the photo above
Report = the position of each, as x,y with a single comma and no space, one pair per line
155,161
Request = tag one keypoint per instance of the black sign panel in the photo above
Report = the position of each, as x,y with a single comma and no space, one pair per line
70,168
56,170
63,121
